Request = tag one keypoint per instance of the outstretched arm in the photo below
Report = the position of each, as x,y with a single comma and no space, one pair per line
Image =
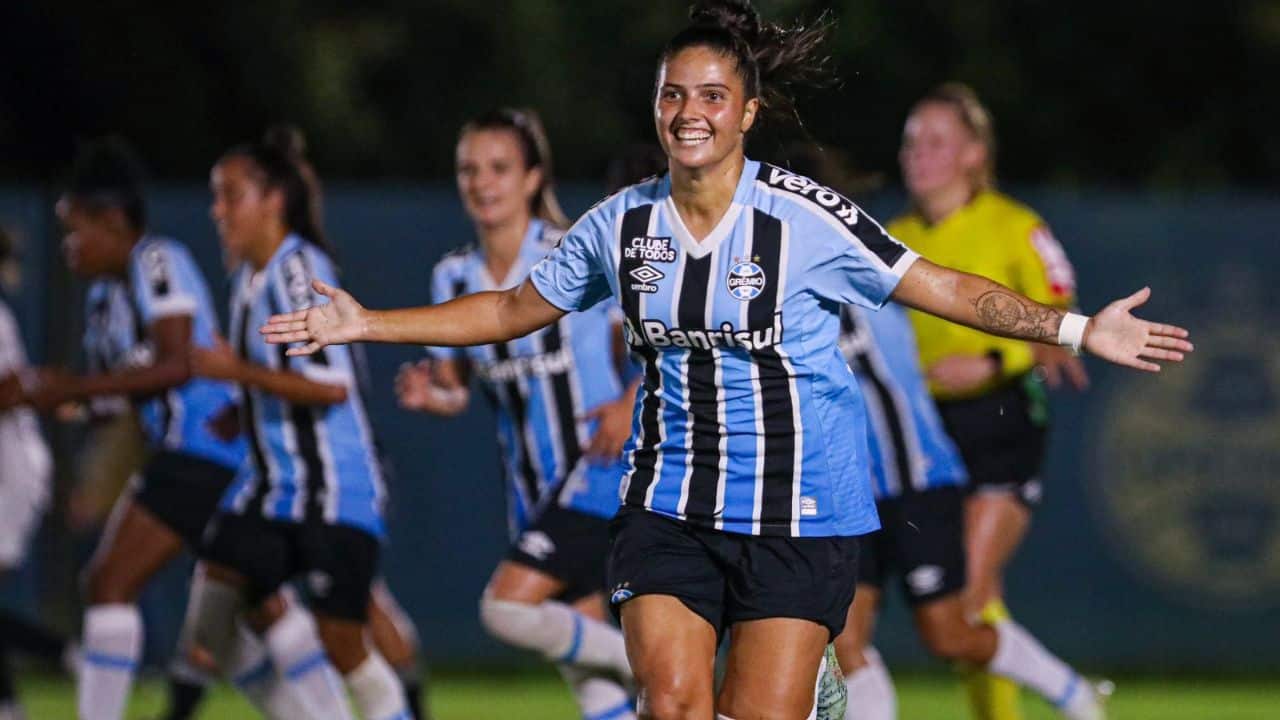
477,319
1113,334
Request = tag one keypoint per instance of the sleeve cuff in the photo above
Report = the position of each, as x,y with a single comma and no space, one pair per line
171,306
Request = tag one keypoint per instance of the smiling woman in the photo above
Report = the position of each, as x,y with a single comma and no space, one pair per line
747,485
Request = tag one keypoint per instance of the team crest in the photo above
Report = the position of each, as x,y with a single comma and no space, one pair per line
746,281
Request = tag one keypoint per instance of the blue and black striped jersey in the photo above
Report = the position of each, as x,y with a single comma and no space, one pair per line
910,449
750,420
305,462
541,386
162,281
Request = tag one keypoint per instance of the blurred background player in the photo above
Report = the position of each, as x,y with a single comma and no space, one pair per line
148,307
991,397
26,469
308,502
918,479
564,412
390,629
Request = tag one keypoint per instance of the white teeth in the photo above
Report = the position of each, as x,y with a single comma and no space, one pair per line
692,136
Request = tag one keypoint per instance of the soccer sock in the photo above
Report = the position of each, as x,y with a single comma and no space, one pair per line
31,638
249,668
112,647
871,694
187,683
561,634
1021,658
992,697
376,690
599,698
296,653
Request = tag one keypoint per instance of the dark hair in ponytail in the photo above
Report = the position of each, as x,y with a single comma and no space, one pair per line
774,62
107,174
536,149
281,159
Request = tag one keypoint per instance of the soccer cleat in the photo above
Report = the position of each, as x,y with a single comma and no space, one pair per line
833,695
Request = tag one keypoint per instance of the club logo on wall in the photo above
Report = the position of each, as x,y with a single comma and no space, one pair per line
1186,476
745,281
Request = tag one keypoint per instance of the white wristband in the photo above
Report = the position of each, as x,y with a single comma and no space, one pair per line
1071,331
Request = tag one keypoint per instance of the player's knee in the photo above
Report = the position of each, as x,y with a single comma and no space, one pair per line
669,701
949,642
343,641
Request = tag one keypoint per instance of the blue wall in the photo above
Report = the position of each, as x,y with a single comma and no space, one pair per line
1158,546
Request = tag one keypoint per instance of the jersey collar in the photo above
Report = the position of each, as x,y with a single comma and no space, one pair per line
529,253
723,228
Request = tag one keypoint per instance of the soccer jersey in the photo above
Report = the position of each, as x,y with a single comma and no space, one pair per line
541,385
162,281
306,463
749,421
999,238
910,450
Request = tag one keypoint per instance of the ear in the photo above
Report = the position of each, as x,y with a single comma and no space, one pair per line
973,156
749,112
532,181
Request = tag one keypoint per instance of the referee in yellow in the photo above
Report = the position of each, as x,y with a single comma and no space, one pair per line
990,390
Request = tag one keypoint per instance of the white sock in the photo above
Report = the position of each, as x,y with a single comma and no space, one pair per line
249,668
296,652
112,648
377,691
599,698
871,694
1021,658
561,634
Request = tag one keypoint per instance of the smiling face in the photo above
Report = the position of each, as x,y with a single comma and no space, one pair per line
701,110
495,185
939,153
245,214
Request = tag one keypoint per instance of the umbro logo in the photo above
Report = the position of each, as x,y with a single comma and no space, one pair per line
647,274
645,277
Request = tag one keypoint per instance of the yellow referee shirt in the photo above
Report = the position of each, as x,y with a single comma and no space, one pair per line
999,238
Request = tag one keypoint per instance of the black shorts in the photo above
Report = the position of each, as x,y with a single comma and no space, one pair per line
921,539
1001,436
570,546
729,578
336,563
182,491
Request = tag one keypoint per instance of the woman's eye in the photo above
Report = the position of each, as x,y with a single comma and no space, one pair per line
714,96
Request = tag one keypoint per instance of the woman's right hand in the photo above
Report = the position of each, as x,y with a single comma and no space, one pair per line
417,389
341,320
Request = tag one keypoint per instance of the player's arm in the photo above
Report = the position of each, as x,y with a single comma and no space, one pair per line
476,319
1113,334
220,362
171,338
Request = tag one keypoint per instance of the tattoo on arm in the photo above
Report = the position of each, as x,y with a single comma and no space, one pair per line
1005,313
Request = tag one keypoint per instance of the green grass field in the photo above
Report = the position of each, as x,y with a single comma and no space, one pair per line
538,696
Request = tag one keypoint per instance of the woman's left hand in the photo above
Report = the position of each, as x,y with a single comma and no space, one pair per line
1116,335
612,431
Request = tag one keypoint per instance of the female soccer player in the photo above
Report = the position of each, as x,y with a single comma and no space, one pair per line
991,400
26,468
148,307
747,488
308,503
564,413
918,480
